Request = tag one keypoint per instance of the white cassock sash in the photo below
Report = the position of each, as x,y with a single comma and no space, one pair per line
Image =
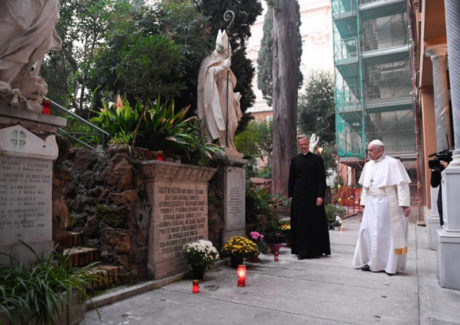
397,227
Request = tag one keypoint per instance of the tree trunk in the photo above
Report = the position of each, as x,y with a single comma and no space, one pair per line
285,92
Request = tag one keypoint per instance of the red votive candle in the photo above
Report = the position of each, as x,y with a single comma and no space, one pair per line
160,156
276,254
196,286
241,270
46,106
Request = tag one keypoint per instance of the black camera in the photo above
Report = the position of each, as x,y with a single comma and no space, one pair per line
435,163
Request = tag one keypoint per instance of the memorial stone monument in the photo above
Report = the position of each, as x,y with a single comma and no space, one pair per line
178,195
27,150
234,202
27,137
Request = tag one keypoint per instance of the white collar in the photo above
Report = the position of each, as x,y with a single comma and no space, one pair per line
380,158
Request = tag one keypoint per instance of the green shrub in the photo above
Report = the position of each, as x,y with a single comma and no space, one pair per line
258,202
332,211
37,290
272,232
155,126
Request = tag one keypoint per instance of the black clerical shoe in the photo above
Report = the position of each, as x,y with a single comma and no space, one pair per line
390,274
365,267
300,257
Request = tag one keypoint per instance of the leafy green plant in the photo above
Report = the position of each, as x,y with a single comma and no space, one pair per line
39,290
281,200
273,232
119,118
123,137
192,145
258,203
332,211
155,126
265,172
159,122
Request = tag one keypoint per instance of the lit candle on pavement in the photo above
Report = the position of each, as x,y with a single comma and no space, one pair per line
241,270
196,286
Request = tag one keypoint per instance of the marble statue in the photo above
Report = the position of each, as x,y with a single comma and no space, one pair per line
212,94
314,139
28,32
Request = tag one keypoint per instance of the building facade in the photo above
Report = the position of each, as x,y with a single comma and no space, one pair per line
436,29
374,90
316,34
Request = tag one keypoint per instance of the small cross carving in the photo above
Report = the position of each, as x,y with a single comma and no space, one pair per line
18,138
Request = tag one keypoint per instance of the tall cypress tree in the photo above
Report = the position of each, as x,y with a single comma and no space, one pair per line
285,90
265,58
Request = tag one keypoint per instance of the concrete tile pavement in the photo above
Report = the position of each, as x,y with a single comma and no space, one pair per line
316,291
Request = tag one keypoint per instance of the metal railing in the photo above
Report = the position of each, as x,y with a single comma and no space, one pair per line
78,129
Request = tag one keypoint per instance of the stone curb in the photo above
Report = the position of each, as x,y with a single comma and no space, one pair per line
117,295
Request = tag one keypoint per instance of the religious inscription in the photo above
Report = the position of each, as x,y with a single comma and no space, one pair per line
181,217
234,201
234,198
25,199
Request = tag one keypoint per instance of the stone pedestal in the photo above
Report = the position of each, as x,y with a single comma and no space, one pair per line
234,202
27,150
178,194
432,222
449,235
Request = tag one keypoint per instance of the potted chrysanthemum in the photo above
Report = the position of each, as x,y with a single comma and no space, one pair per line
239,247
200,255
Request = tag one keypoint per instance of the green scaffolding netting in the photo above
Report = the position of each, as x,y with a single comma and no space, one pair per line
373,86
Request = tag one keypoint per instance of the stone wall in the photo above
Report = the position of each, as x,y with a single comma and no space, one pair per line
105,195
102,195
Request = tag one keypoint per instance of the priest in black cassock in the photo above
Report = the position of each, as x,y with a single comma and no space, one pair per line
307,187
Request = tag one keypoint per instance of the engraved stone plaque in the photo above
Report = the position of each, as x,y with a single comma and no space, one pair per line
234,202
26,163
25,200
179,196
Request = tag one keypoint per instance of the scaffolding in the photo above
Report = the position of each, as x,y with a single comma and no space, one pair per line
373,85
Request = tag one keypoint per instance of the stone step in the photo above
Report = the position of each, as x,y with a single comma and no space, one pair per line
81,256
67,239
106,275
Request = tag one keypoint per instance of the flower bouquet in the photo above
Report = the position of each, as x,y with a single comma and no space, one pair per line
285,227
239,247
258,238
274,237
200,255
273,233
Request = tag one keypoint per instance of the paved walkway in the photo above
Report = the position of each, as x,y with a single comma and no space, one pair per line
317,291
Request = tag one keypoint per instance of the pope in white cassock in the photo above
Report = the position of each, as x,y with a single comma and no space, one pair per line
382,240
